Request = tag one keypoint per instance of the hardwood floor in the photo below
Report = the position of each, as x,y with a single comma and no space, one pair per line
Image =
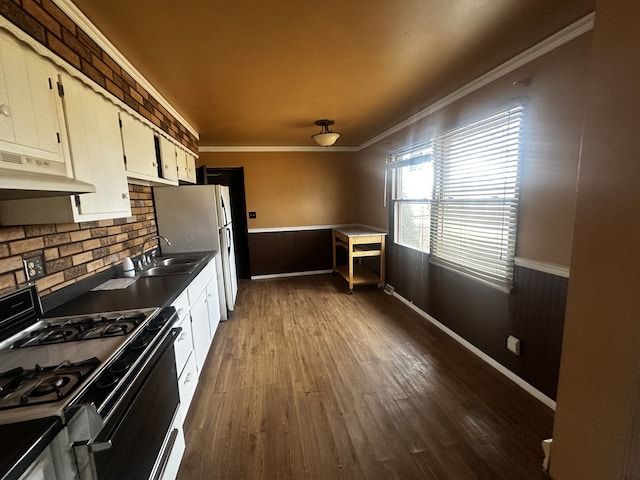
306,382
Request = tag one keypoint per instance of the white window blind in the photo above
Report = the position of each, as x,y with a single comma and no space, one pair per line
475,200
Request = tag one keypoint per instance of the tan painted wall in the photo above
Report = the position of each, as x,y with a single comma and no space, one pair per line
289,189
597,426
555,102
293,189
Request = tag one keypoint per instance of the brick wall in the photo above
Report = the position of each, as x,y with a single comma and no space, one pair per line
46,23
75,251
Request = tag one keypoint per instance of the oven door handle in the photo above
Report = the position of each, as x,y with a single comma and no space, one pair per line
100,446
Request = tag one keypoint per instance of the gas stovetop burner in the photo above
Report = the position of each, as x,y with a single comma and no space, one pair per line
84,328
20,387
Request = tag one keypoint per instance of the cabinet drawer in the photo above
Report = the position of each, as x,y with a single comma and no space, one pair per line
181,305
200,282
184,344
187,383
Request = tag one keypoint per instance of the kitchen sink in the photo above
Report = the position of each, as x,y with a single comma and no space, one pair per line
167,261
159,270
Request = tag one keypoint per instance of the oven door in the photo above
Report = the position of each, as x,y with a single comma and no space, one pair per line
130,443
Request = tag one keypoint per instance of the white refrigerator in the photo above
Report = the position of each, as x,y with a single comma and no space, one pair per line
197,218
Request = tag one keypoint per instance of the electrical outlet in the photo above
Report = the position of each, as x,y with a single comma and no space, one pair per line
34,267
513,344
252,214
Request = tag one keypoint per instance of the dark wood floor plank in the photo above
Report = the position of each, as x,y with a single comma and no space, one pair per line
306,382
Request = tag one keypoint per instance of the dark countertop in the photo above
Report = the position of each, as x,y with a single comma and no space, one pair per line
146,292
21,443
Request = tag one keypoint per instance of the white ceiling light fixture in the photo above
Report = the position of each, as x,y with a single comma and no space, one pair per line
325,138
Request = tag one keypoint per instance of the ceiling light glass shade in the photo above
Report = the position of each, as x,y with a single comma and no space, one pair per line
326,139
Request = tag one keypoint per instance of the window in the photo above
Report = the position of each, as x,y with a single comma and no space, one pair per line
468,201
413,189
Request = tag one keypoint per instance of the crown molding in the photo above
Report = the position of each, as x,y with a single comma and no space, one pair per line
283,148
558,39
96,35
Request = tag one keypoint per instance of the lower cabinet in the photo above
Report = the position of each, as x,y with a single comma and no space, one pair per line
56,462
198,321
199,314
176,449
187,384
200,329
213,303
41,469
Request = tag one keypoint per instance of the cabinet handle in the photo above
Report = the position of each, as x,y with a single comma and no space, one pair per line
5,110
187,379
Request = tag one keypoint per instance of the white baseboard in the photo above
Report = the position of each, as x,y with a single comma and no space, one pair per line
475,350
292,274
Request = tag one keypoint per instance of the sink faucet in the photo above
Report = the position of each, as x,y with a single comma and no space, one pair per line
145,259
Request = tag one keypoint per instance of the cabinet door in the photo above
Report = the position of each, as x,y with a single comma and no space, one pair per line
181,158
139,146
200,329
213,305
187,383
96,150
173,461
191,168
31,117
169,159
186,166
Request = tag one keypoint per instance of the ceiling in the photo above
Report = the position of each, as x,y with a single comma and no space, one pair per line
260,72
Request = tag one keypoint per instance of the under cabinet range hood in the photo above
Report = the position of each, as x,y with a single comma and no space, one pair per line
17,184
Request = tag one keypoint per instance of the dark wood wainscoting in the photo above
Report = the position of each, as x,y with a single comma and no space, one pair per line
290,251
539,303
485,317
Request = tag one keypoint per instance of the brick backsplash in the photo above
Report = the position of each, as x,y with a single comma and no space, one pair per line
74,251
49,25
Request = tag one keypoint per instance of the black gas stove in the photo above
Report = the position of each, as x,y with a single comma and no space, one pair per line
107,376
49,364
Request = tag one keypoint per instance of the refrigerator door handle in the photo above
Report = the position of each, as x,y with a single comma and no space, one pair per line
228,239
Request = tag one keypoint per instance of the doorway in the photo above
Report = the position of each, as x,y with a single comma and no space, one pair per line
233,177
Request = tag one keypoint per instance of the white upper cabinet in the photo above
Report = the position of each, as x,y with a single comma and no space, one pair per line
96,152
186,166
191,168
144,153
32,130
139,147
168,159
